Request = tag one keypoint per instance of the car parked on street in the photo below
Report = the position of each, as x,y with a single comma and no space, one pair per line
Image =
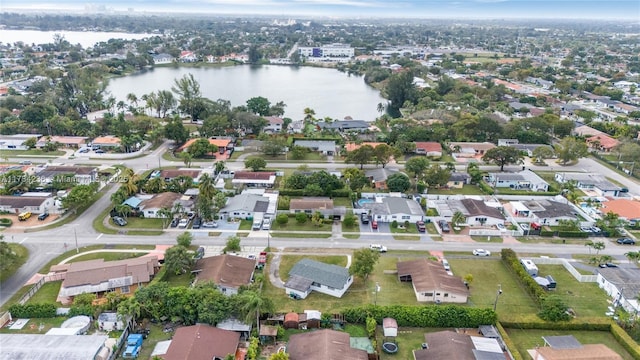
210,224
378,247
626,241
481,252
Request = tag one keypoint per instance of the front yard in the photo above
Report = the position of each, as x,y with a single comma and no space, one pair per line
466,190
403,233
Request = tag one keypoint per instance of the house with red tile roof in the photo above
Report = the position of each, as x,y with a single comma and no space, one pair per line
428,148
626,209
349,147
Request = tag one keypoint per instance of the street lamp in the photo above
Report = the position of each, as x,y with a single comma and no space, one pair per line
377,290
498,293
268,241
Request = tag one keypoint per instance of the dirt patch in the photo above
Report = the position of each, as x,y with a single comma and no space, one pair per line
30,222
457,238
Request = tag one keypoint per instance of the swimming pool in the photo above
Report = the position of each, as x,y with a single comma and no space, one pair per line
361,202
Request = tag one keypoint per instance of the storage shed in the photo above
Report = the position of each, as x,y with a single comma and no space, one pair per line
313,319
390,327
291,321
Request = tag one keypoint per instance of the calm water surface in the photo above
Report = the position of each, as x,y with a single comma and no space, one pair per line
327,91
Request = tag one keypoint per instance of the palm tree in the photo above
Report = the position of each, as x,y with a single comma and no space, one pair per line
589,244
155,185
123,210
165,214
458,218
207,190
253,303
633,256
309,114
131,184
220,166
598,246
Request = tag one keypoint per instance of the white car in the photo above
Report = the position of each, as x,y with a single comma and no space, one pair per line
183,223
378,247
501,227
210,224
481,252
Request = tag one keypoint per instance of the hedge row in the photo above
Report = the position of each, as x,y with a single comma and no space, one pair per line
573,234
534,322
485,188
626,341
512,262
300,192
435,316
508,342
38,310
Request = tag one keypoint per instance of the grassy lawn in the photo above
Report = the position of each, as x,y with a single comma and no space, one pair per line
408,339
245,224
293,235
487,274
586,299
107,256
392,291
37,152
431,228
466,190
402,233
350,232
142,223
487,239
342,201
22,254
178,280
68,254
33,326
293,225
155,335
529,339
551,240
48,293
357,293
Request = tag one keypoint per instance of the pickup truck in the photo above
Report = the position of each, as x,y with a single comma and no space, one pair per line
134,343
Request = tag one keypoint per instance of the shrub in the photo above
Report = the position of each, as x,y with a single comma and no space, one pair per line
394,224
510,259
282,219
38,310
5,222
301,218
626,341
508,342
485,188
443,316
554,309
573,234
341,193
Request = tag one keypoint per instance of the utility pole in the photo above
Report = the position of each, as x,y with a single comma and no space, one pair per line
498,293
76,236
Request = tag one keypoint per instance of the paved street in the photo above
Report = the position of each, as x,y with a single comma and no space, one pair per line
44,245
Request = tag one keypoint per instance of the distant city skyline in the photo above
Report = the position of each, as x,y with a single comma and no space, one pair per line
464,9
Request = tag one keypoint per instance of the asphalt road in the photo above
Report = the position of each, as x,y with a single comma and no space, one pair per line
45,245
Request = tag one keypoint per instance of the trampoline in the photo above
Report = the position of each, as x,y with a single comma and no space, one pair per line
390,348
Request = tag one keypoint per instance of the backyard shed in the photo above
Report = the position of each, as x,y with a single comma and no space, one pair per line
268,332
390,327
313,319
291,321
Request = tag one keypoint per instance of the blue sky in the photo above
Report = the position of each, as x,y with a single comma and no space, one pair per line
522,9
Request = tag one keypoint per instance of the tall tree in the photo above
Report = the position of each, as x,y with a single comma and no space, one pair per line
398,182
178,260
383,154
400,89
259,105
364,260
205,186
131,181
189,91
416,165
571,149
503,155
362,155
252,304
255,163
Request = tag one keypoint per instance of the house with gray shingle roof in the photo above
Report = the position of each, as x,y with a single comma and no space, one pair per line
245,206
622,285
388,209
325,147
308,275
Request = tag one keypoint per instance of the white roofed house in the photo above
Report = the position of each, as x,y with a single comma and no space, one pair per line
622,285
549,212
81,174
33,204
325,147
16,141
477,212
254,179
523,180
400,209
431,282
245,206
151,206
589,181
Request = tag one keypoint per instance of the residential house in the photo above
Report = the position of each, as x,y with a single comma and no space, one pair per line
626,209
202,342
549,212
20,204
322,345
72,142
16,142
325,147
244,206
80,174
625,108
454,345
106,142
345,125
224,144
309,275
431,282
596,139
457,180
349,147
469,149
166,200
567,347
310,205
523,180
188,57
379,176
94,116
257,179
169,174
388,209
296,127
227,272
545,84
100,277
590,182
47,346
274,124
429,148
622,285
529,148
162,59
478,213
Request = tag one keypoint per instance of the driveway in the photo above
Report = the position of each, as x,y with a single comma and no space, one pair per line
382,233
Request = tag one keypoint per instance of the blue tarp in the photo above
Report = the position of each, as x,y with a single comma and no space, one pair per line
133,202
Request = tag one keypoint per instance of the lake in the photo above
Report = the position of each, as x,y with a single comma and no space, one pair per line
84,38
327,91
